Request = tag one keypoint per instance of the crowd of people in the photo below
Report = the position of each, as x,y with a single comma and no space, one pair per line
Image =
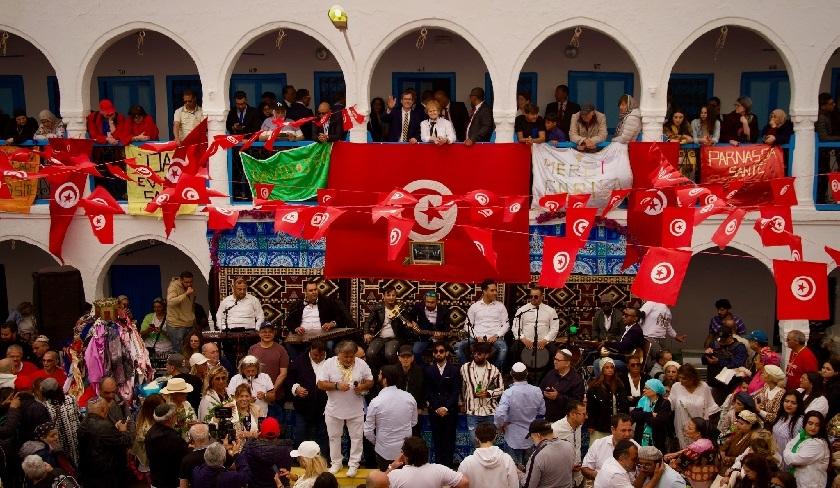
633,416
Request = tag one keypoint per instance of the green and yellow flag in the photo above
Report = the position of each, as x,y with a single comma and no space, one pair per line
296,174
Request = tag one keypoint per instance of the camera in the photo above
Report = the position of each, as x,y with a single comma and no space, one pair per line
224,430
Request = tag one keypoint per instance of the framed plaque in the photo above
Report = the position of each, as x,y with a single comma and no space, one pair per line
426,252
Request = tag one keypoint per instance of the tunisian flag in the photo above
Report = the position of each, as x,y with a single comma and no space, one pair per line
67,189
559,254
357,247
661,275
801,290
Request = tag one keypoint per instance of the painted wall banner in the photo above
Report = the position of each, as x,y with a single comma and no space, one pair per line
141,191
296,174
23,191
566,170
753,164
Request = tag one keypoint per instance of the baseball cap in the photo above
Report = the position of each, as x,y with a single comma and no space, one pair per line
42,338
586,108
106,107
266,325
406,350
758,336
197,358
307,449
269,428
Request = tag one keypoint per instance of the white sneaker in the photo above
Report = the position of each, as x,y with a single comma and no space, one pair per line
335,468
351,471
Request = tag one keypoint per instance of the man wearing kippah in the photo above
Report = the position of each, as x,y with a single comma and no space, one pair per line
649,457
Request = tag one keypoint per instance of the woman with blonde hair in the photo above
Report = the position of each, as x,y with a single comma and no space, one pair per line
246,414
215,394
436,129
310,460
145,421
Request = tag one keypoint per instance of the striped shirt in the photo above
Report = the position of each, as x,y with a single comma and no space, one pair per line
490,379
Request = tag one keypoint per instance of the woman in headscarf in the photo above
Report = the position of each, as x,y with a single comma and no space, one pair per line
652,416
629,120
769,398
49,126
733,405
778,130
737,442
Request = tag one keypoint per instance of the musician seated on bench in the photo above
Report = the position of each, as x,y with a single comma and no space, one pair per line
385,330
489,323
315,314
240,310
631,339
431,318
536,317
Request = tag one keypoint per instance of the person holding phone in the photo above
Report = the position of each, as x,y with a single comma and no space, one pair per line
650,462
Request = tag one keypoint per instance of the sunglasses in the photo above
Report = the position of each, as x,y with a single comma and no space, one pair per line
634,364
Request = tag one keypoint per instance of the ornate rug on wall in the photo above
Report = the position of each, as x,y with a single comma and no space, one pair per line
603,254
577,302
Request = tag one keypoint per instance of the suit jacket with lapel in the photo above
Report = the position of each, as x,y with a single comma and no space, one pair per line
418,314
301,372
443,390
458,115
376,320
564,120
482,126
416,116
252,120
328,310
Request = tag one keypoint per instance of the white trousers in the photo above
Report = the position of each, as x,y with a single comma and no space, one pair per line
335,429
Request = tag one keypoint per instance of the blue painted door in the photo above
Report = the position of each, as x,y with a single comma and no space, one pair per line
11,94
421,82
328,84
527,82
254,85
601,89
768,90
175,86
690,91
140,283
125,91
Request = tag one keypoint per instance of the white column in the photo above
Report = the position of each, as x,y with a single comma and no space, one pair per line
359,131
218,164
803,156
652,125
504,124
76,124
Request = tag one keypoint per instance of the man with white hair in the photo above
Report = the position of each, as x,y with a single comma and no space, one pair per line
21,367
37,471
649,458
199,440
165,448
345,378
213,471
214,359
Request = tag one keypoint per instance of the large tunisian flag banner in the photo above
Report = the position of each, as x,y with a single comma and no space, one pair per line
362,175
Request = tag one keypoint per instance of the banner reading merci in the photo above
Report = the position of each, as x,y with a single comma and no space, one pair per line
142,190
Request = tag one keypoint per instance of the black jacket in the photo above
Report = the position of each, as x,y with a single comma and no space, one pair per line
731,125
252,120
782,133
458,115
564,120
395,123
634,338
334,130
599,405
300,111
193,397
32,414
262,455
418,315
482,125
662,425
102,453
569,387
328,310
24,133
165,449
443,390
301,372
376,320
415,383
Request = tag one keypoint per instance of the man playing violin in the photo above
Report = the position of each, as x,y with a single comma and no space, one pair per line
430,321
384,330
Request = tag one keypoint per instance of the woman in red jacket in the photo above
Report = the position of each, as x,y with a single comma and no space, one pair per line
141,126
106,126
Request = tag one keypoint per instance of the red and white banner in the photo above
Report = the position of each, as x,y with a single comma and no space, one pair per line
558,261
66,190
677,227
221,218
359,248
100,208
801,290
728,228
754,165
579,222
775,226
661,275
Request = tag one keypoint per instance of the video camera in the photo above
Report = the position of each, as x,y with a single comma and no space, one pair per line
224,430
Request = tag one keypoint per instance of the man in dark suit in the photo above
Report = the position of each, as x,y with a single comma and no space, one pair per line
300,110
243,118
455,112
607,323
443,387
385,331
404,122
480,125
289,96
631,339
315,313
333,129
428,316
563,107
308,399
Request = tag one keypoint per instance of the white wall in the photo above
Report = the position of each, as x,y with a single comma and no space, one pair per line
20,260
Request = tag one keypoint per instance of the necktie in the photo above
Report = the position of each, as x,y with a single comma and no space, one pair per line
404,135
432,129
241,117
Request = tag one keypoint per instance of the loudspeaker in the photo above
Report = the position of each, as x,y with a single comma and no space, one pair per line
59,299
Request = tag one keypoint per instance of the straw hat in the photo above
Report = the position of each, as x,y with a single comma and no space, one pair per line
176,385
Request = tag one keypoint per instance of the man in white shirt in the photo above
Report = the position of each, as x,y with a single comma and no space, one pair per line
618,469
240,310
487,322
187,116
413,470
345,378
602,449
570,429
537,317
390,417
657,327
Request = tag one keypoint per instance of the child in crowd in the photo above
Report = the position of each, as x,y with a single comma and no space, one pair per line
553,133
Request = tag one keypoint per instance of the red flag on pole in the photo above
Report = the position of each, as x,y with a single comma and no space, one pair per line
801,290
398,231
558,261
661,275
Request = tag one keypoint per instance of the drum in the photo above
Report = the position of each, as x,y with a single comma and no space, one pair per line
535,358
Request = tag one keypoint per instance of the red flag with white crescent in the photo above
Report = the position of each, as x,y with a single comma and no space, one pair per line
289,219
513,205
801,290
398,231
263,190
221,218
616,197
191,190
784,192
775,225
100,208
483,241
320,220
834,254
66,192
728,228
558,260
553,202
677,227
834,186
578,200
579,222
661,275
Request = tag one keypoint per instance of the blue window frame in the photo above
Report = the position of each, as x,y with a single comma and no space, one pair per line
125,91
327,85
254,85
54,95
175,86
690,91
768,90
835,82
11,93
601,88
527,82
421,82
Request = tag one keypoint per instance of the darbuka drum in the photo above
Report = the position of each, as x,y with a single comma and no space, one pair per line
534,358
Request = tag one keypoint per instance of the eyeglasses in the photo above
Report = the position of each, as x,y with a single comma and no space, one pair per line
323,113
560,360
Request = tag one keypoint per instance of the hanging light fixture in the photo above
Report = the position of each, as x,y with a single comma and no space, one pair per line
338,16
573,48
141,37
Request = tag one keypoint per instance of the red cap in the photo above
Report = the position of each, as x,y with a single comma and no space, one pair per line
270,428
106,107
